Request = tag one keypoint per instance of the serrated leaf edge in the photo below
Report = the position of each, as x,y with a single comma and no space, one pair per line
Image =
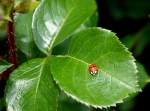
133,60
125,49
117,102
86,103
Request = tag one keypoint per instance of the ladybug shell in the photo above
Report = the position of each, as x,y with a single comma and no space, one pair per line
93,69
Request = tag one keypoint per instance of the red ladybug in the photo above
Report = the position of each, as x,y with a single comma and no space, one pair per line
93,70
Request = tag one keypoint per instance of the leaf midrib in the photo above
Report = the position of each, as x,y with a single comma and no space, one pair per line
122,82
61,26
4,67
38,83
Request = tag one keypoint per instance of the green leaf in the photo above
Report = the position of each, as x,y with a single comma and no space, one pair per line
55,20
23,6
4,65
31,88
143,79
68,104
93,20
6,8
24,35
116,78
137,42
143,76
61,48
128,104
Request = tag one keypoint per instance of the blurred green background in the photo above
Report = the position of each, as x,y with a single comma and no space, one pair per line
130,20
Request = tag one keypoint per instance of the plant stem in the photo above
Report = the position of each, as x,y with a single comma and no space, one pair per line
11,42
11,48
11,45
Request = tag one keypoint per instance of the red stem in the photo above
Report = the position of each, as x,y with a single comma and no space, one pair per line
11,48
11,42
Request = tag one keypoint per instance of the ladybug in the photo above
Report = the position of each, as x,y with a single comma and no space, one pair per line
93,70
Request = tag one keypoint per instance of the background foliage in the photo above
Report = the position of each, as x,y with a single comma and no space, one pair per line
56,27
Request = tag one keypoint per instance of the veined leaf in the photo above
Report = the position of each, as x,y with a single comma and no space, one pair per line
143,79
31,88
24,35
117,70
143,76
56,20
61,49
4,65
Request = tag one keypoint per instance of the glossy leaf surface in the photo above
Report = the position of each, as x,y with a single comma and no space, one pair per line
116,76
61,49
24,35
31,88
4,65
56,20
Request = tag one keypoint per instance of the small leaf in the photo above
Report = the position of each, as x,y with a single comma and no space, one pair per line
143,79
4,65
116,77
143,76
6,7
137,42
31,88
24,6
55,20
24,35
128,104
